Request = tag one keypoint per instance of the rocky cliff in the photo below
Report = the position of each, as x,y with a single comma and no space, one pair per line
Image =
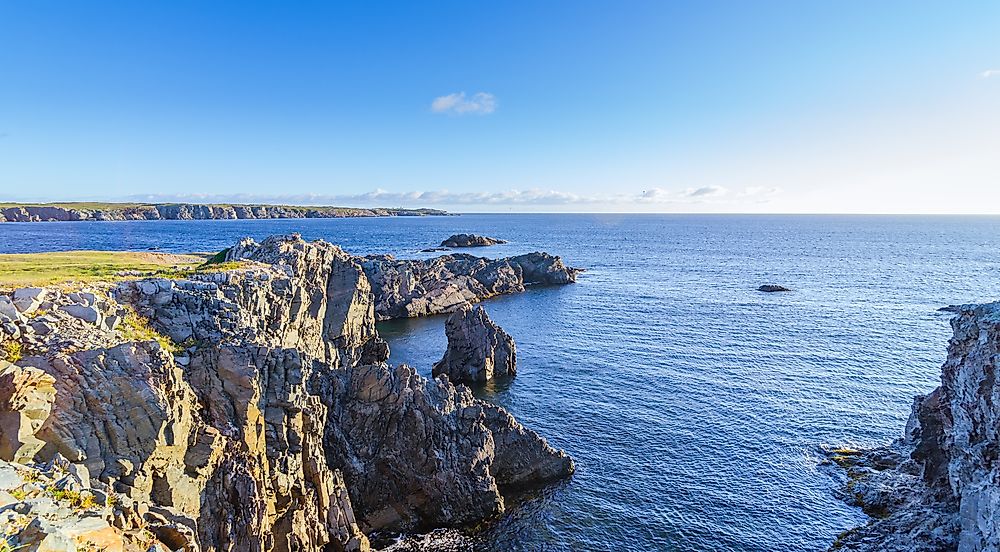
249,408
411,288
190,211
938,488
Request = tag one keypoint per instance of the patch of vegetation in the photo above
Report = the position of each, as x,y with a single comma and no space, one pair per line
42,269
19,493
11,350
138,328
75,499
218,258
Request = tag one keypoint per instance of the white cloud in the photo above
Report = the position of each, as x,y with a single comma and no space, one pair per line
512,198
990,73
480,103
706,191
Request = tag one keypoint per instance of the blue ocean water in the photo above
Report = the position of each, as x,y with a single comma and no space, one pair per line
693,404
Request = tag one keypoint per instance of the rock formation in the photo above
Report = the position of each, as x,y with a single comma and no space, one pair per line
249,409
478,349
470,240
410,288
772,288
938,488
191,211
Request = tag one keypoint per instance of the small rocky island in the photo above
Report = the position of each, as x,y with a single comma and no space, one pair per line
470,240
938,487
248,405
772,288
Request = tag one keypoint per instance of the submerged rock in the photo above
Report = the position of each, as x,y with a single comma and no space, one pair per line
772,288
943,492
478,349
470,240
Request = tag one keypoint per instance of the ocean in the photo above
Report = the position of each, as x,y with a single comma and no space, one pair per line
695,406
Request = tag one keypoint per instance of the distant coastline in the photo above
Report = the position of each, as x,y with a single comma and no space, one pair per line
51,212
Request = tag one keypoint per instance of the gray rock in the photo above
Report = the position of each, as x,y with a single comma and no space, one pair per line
8,312
772,288
470,240
85,313
942,491
410,288
27,300
478,349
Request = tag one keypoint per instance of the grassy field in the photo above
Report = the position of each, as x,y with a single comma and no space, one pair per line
38,269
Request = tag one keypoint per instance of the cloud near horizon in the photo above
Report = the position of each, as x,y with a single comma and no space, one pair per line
990,73
529,197
480,103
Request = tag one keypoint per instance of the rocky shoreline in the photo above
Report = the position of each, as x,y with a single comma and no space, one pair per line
938,487
247,406
192,211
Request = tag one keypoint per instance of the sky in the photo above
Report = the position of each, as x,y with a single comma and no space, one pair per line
544,106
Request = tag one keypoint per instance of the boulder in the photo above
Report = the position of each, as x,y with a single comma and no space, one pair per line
478,349
8,312
27,300
83,312
470,240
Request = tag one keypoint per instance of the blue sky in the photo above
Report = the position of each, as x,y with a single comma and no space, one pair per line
507,106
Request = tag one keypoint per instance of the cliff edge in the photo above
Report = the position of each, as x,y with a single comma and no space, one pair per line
246,407
938,488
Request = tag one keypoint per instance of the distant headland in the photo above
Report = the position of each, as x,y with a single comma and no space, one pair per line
44,212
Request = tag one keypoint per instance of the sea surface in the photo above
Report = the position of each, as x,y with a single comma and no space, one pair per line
694,405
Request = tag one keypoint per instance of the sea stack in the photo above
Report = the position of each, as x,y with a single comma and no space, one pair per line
478,349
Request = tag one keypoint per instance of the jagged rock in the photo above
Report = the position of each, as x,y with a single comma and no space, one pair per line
39,519
424,453
470,240
230,430
27,300
8,312
772,288
946,496
478,349
83,312
26,397
410,288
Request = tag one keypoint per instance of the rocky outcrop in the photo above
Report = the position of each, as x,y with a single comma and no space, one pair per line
470,240
772,288
192,211
478,349
411,288
252,409
938,488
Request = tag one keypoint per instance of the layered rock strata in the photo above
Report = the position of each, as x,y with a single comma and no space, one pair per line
192,211
250,409
938,488
411,288
470,240
478,350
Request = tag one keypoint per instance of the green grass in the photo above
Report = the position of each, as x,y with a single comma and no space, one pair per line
138,328
41,269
